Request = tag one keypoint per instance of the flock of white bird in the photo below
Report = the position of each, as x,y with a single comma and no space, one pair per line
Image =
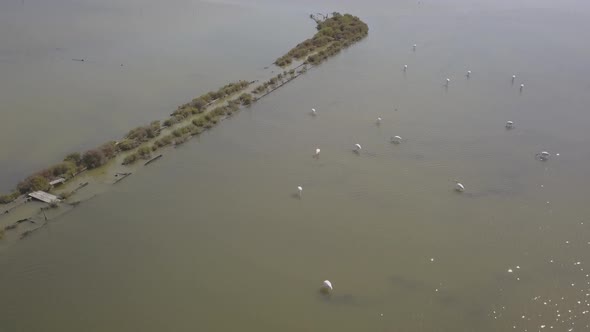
326,287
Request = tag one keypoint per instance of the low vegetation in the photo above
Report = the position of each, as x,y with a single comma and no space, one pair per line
5,199
246,99
33,183
335,32
128,144
144,133
130,159
199,104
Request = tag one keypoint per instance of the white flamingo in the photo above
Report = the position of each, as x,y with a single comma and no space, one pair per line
300,191
357,148
396,139
313,112
543,155
378,121
327,287
521,87
509,125
447,82
469,73
405,67
459,187
414,47
317,153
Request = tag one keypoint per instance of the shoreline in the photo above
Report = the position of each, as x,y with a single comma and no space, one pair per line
119,159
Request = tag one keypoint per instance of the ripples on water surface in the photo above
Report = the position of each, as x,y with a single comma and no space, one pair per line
211,237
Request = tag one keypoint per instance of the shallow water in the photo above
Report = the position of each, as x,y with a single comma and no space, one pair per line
142,60
212,237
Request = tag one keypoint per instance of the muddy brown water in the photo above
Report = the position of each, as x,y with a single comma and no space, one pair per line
211,236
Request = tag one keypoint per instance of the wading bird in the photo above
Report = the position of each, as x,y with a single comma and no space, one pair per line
357,148
326,287
459,187
543,155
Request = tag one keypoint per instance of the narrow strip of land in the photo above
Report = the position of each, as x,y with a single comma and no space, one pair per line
335,32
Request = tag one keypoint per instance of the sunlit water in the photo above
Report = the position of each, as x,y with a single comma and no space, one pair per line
214,238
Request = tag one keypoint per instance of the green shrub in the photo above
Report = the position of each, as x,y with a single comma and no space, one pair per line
182,131
167,139
143,133
199,103
200,122
33,183
233,106
260,89
218,111
144,151
108,149
93,158
127,145
74,157
182,114
130,159
186,129
246,98
5,199
181,140
139,134
64,169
